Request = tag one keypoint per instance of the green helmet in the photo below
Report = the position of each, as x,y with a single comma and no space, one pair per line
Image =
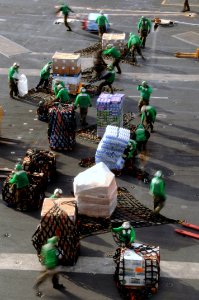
53,240
18,167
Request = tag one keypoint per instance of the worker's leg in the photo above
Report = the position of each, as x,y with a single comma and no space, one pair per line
111,88
116,64
46,83
104,83
66,23
12,88
40,279
83,115
40,83
139,51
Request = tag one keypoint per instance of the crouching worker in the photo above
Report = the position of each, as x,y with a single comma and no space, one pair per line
157,190
20,179
126,234
49,256
148,116
83,100
109,78
129,154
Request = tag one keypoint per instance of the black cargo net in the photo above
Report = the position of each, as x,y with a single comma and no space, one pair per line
128,209
57,223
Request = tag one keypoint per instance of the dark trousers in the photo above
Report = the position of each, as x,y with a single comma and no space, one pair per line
101,30
134,49
83,115
13,88
116,64
142,102
143,35
186,6
44,82
141,145
66,22
158,203
48,273
105,83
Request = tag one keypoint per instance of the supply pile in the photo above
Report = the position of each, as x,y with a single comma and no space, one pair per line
116,39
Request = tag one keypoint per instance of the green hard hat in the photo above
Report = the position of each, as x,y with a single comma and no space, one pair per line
53,240
18,167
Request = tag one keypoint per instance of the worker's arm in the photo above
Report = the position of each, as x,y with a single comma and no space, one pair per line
132,236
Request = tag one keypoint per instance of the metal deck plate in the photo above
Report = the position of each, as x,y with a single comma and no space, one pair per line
10,48
189,37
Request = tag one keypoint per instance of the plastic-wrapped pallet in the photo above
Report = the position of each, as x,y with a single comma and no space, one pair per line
71,82
117,39
112,146
109,111
61,128
96,191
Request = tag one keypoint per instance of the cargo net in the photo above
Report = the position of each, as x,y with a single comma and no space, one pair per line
40,161
57,223
61,128
26,199
128,209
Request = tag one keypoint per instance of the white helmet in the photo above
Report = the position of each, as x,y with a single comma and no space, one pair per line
58,192
59,87
101,12
109,46
126,225
16,65
83,90
158,174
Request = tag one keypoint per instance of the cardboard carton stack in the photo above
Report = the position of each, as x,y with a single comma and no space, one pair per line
96,191
109,111
111,148
67,68
117,39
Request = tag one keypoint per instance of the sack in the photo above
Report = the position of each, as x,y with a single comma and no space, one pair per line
23,85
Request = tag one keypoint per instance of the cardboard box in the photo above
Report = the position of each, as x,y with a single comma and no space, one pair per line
66,63
66,204
117,39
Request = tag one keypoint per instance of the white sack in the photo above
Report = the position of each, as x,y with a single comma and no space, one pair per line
23,85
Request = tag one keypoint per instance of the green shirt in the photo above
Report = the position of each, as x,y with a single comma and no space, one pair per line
65,9
150,114
83,100
20,178
45,72
131,148
112,52
11,72
125,235
140,134
63,96
134,40
111,77
49,255
144,24
157,187
145,92
101,21
55,87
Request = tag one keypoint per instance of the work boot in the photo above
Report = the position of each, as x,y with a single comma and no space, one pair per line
58,286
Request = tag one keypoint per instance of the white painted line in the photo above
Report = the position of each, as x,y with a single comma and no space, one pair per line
161,77
150,97
96,265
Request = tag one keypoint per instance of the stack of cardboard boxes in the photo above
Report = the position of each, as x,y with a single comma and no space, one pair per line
117,39
109,111
67,68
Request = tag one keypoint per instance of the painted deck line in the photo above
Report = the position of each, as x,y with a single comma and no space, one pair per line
96,265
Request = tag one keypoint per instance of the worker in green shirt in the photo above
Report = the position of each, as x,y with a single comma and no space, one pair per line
83,100
115,53
144,28
101,22
134,45
145,94
109,78
57,194
49,256
44,76
65,10
13,75
62,95
157,190
126,234
129,154
57,82
20,179
141,136
148,116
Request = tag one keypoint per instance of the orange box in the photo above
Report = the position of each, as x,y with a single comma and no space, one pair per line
68,205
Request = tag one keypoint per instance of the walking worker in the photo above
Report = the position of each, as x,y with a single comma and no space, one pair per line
83,100
141,136
45,75
145,93
148,116
126,233
20,179
144,28
57,194
13,75
101,22
134,44
65,10
157,190
109,78
62,94
49,256
186,6
115,54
